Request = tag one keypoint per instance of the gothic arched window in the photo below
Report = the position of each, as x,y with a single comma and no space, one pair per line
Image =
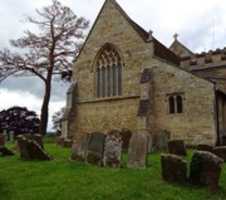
108,73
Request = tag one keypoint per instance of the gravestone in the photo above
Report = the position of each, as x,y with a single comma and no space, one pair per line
30,149
79,148
95,150
174,168
220,152
161,139
38,139
23,147
205,169
177,147
2,140
138,149
35,137
205,147
5,152
126,136
113,149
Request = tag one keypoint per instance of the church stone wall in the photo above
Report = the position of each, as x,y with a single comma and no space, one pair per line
104,114
197,122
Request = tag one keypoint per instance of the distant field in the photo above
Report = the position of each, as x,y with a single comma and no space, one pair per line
62,179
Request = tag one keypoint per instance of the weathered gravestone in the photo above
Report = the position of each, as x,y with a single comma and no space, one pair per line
30,149
113,149
205,169
220,152
35,137
174,168
177,147
95,150
205,147
160,140
138,150
5,152
38,139
126,136
80,148
2,140
23,147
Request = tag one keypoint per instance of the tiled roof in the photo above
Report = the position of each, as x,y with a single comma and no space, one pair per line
204,54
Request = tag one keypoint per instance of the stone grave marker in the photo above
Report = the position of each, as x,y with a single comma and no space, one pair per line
30,149
220,152
80,148
138,150
174,168
177,147
113,149
95,150
5,152
205,170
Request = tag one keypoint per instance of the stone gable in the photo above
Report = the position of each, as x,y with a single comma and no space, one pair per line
195,123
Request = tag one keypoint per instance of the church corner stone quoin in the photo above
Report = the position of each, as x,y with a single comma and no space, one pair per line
124,78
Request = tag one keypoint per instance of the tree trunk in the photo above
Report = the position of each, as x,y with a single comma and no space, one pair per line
45,104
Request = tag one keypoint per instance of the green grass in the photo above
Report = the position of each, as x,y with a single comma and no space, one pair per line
62,179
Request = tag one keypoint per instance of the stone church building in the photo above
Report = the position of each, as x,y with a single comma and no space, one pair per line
124,78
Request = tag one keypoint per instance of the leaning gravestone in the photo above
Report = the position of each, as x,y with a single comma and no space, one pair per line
35,137
38,139
23,147
177,147
30,149
220,152
5,152
79,148
174,168
205,169
95,149
113,149
138,150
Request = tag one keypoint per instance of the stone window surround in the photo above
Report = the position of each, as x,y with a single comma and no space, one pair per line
108,76
175,96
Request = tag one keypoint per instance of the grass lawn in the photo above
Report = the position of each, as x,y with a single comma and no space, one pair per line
61,179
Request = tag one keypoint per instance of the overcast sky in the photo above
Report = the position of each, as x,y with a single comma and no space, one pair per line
201,26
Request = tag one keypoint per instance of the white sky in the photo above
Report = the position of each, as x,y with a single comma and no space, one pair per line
201,26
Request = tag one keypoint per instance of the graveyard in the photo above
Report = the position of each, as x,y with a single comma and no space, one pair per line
62,178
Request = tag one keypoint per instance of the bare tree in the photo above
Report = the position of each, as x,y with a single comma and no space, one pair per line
5,72
49,52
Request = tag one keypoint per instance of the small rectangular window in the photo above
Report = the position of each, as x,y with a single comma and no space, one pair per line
175,103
